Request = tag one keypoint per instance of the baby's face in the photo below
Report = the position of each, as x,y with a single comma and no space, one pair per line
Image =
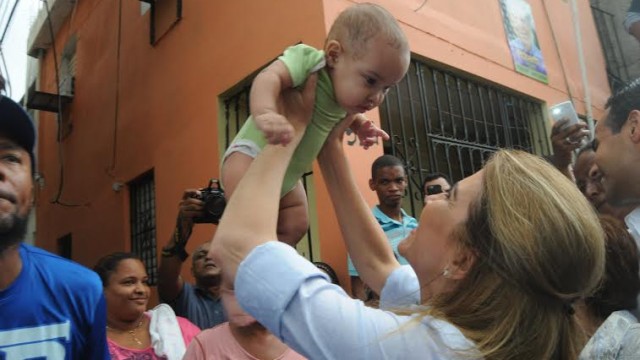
361,83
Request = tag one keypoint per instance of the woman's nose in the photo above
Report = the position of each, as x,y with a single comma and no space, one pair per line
139,288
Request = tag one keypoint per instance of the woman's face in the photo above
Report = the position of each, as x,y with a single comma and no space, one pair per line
127,292
431,248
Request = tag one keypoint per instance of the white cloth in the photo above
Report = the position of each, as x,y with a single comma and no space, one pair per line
617,338
166,336
298,304
630,19
632,220
401,289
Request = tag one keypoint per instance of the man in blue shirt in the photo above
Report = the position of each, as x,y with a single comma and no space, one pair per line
50,308
389,181
199,302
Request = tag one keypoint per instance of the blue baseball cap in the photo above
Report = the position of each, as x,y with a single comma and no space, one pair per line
16,125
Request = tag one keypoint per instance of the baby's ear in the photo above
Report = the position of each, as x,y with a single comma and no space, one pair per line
333,49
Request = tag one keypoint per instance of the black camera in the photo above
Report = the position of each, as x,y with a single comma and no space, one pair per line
434,189
214,203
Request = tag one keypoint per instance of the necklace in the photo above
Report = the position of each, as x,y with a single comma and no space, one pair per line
131,332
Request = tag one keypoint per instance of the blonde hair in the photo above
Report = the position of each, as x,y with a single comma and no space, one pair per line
539,247
359,23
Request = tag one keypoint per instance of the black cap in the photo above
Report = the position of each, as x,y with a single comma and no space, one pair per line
16,125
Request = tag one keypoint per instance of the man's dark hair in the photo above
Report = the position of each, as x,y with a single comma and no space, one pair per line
621,281
384,161
432,176
107,264
17,126
2,83
586,148
621,103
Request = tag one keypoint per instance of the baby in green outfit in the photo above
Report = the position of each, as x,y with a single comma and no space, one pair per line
365,54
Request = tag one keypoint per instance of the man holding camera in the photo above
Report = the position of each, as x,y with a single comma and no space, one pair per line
389,181
199,302
435,186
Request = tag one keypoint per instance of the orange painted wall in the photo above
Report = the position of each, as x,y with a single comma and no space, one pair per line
166,114
167,97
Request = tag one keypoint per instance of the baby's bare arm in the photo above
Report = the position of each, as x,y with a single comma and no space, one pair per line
263,102
366,131
356,121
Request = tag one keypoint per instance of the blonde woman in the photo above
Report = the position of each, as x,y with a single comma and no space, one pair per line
495,267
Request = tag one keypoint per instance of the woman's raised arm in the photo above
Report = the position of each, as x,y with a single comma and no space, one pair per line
367,244
251,216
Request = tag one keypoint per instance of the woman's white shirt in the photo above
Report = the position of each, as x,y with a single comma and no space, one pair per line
297,302
617,338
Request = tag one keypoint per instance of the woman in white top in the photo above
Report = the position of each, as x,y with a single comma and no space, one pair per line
495,267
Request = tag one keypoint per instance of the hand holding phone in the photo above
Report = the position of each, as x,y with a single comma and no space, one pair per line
566,135
564,110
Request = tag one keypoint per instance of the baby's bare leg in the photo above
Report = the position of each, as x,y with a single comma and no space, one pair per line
233,169
293,220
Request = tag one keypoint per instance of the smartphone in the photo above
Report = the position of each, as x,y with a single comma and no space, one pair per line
434,189
564,110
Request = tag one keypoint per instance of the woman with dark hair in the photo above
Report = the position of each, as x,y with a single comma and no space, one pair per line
605,315
132,331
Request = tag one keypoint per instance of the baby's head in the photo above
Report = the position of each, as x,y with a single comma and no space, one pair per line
366,53
360,23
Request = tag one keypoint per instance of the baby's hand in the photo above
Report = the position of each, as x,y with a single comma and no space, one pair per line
275,127
368,134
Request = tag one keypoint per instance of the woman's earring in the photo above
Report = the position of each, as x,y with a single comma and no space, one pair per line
446,272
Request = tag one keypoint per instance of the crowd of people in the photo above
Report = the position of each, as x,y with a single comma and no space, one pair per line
528,258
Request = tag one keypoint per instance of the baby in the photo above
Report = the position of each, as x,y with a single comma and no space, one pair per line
365,54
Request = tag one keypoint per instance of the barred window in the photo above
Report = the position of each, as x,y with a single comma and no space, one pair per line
440,121
68,68
143,223
236,112
612,48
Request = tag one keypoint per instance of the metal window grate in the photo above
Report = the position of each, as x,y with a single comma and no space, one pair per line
607,27
68,67
442,122
143,223
236,112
